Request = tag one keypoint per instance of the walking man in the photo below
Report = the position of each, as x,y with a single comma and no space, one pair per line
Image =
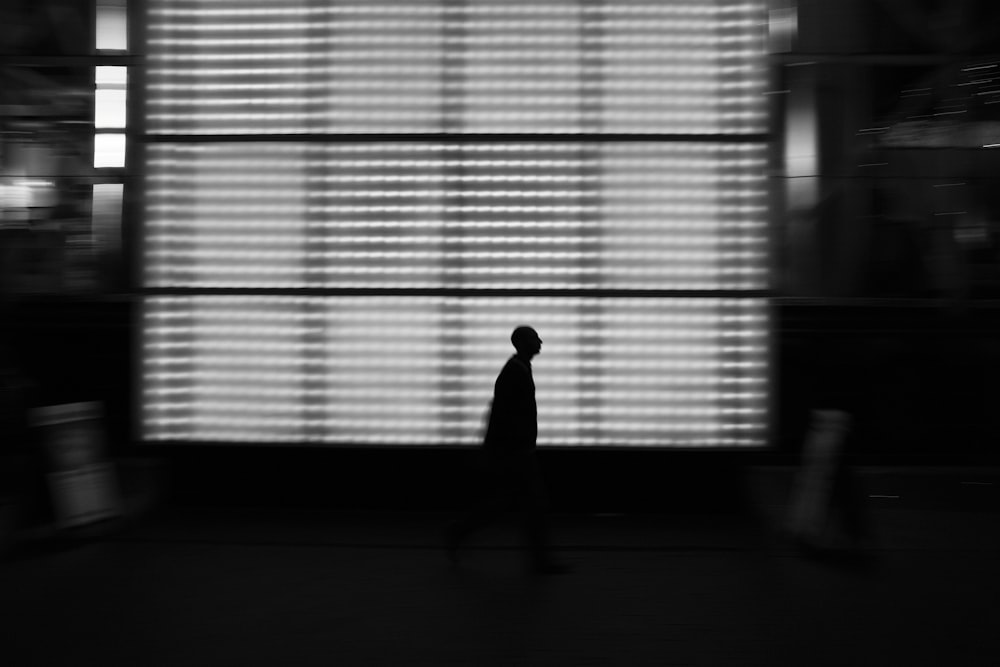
509,457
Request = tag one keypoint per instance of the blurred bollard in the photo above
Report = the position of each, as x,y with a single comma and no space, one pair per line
83,484
813,490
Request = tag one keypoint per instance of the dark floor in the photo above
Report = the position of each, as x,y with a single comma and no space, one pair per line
196,586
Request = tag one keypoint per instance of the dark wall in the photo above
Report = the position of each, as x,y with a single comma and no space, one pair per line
918,377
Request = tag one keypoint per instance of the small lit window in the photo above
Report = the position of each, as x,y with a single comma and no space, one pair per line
109,101
112,25
109,150
107,215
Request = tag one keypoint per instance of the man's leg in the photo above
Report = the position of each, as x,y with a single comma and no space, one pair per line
493,499
533,505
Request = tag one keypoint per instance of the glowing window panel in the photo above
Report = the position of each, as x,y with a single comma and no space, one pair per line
112,25
700,71
109,150
521,67
566,66
110,97
227,216
401,217
420,370
106,215
629,215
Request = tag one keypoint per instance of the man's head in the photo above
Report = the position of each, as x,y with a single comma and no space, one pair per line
526,341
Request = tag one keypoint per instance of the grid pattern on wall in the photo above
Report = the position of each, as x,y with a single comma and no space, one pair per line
350,205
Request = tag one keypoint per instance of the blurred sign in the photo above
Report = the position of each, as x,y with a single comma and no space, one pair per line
84,487
809,508
941,134
84,495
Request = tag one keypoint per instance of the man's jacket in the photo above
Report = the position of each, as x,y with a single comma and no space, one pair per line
513,422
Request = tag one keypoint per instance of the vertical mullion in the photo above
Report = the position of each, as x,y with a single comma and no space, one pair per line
452,334
314,362
591,20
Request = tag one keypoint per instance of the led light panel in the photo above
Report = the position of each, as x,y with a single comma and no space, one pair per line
420,370
348,264
688,66
568,215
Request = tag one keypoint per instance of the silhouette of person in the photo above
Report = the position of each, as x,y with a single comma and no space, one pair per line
508,451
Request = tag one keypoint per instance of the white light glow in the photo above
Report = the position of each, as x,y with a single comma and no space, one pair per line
112,25
109,150
109,108
105,75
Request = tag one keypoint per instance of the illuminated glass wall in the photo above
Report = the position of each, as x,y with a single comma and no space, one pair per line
349,206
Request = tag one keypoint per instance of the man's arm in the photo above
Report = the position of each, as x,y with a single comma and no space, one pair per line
514,407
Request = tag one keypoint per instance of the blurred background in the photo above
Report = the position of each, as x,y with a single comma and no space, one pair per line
260,259
879,126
